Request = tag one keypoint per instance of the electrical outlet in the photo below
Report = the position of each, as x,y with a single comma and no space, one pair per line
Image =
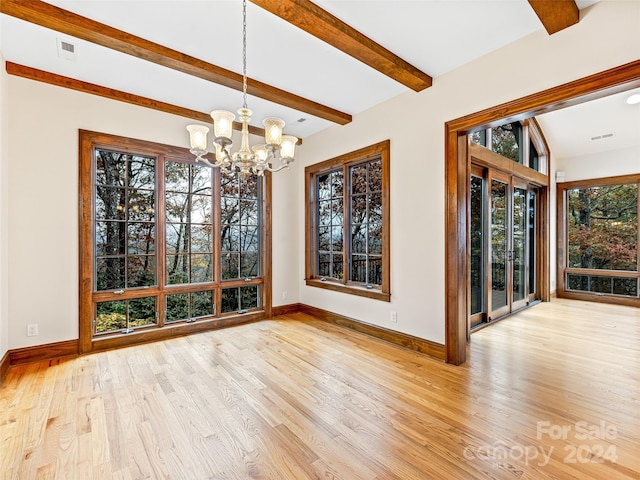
284,295
32,330
394,317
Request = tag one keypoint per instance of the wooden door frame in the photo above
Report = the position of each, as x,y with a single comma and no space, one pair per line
457,175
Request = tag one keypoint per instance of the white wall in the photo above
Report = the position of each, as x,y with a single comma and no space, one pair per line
43,213
4,217
286,208
608,35
605,164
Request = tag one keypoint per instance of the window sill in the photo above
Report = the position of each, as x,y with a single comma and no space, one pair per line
350,289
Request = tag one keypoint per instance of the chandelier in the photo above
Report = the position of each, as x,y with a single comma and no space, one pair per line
247,161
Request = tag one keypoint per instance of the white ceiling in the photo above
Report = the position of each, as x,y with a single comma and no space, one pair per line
569,131
433,35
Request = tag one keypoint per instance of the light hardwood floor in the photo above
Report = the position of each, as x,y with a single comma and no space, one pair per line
294,398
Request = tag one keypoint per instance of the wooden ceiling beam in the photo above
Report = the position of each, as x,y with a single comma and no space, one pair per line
318,22
133,99
50,16
556,15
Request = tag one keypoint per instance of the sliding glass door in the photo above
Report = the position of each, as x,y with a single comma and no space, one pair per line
503,242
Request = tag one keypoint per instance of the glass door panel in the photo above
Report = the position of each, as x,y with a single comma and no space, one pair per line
532,219
519,247
499,224
477,272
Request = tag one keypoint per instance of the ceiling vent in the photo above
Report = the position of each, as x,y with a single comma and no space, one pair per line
66,50
603,136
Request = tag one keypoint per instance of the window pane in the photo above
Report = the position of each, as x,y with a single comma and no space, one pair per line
337,212
176,207
110,203
337,239
142,171
200,209
141,238
324,239
625,286
110,273
375,208
230,265
249,265
141,205
177,238
375,238
249,187
359,268
324,213
249,239
201,268
111,168
230,211
337,184
359,209
375,270
202,178
201,304
230,300
337,266
479,137
141,271
359,179
177,307
229,184
111,316
201,239
534,161
110,238
604,285
142,311
177,269
249,212
602,228
323,186
176,176
249,297
366,221
375,176
359,239
230,239
324,265
506,140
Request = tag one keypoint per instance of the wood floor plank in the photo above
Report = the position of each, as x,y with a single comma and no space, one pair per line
297,398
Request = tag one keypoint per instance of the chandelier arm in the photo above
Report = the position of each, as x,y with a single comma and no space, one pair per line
281,167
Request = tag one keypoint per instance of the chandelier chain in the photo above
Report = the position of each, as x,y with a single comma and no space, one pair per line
244,53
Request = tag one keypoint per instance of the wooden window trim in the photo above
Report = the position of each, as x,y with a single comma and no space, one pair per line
381,150
89,140
562,238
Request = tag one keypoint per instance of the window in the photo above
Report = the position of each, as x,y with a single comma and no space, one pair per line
600,234
511,139
348,223
165,239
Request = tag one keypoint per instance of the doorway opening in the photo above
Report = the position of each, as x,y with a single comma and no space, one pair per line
457,186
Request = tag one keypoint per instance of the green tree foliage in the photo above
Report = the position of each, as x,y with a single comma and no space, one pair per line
603,227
